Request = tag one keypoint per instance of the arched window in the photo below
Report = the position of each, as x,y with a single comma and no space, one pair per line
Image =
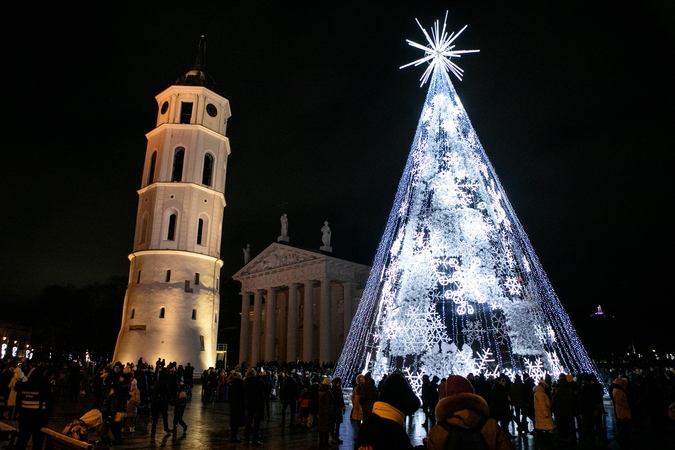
178,158
144,229
151,173
216,320
194,314
133,313
161,313
207,173
168,276
138,279
171,232
200,229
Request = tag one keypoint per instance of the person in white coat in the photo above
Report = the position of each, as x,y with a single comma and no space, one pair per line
12,410
543,421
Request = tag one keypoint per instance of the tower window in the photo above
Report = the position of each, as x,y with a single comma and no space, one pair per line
133,313
171,233
201,342
161,313
168,276
138,277
207,173
216,321
196,278
151,173
200,228
194,314
178,158
144,229
185,112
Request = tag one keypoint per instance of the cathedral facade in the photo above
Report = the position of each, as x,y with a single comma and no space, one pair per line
297,304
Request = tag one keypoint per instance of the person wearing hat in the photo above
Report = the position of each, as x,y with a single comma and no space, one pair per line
384,428
464,416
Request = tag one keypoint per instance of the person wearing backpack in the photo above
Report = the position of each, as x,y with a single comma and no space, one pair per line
464,421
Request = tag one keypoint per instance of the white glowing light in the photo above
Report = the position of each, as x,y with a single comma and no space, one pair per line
455,286
439,51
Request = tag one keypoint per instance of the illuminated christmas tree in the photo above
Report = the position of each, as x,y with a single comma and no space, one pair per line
455,286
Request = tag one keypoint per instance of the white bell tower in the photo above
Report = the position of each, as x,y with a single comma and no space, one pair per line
172,300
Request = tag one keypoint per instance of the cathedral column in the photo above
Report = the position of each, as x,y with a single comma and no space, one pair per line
346,308
292,333
308,323
270,324
257,328
325,333
245,333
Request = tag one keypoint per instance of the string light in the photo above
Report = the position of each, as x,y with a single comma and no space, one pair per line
455,286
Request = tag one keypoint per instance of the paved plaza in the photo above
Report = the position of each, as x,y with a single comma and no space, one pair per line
208,427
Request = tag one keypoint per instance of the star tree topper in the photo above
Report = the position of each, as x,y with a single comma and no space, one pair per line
439,51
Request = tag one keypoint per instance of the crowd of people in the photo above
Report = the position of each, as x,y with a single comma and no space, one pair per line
28,392
460,412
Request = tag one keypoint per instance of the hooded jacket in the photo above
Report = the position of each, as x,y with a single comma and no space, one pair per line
466,411
621,406
542,409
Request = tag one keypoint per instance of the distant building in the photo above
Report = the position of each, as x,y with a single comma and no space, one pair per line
172,300
297,304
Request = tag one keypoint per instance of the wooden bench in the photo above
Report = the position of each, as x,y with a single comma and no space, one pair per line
55,440
8,432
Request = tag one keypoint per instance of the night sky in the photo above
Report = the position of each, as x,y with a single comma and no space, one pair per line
572,101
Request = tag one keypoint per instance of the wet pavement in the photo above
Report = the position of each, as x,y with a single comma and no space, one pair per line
208,428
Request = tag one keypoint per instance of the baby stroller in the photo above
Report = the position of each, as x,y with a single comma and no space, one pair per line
91,427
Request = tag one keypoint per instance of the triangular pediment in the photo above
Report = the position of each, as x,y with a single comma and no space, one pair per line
277,256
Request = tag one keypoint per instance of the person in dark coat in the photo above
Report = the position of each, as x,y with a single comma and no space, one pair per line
338,409
289,397
517,395
384,428
35,403
528,408
500,409
325,412
254,403
159,404
116,403
563,408
368,395
313,391
237,407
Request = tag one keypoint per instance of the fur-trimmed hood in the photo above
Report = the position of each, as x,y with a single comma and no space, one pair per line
462,410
